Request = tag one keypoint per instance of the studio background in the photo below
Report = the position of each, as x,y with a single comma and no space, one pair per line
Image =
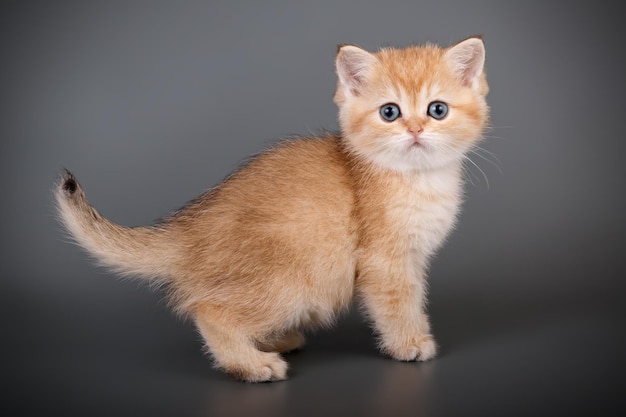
151,103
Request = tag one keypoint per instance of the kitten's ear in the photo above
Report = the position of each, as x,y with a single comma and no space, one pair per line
353,65
468,59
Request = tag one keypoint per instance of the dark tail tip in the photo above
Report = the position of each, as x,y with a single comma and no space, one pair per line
69,184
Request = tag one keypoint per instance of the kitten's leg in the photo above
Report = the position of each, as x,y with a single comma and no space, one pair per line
283,343
395,297
236,353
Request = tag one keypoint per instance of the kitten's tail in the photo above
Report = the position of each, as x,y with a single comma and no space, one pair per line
137,251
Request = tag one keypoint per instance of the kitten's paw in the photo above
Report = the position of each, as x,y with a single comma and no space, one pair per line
267,367
421,348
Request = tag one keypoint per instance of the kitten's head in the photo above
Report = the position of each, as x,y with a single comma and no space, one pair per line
409,109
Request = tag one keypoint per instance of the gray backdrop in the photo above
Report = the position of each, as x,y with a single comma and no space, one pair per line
151,103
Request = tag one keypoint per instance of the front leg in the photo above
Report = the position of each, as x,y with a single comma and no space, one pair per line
393,292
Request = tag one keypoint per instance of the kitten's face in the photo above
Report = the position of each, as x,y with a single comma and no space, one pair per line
418,108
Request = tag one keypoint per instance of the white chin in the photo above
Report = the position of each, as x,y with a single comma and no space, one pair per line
413,159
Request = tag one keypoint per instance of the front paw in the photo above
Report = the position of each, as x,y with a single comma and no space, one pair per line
419,348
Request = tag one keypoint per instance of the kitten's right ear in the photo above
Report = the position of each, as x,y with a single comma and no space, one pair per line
353,66
468,59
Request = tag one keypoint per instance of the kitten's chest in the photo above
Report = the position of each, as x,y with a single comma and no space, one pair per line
422,210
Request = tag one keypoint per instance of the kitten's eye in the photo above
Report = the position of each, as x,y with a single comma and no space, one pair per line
390,112
437,110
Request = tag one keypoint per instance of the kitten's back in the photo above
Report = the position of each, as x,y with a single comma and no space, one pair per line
283,220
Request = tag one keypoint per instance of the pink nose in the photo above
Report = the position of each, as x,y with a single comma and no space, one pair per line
416,130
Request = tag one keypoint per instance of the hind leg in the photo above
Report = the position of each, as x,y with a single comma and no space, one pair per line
282,342
237,354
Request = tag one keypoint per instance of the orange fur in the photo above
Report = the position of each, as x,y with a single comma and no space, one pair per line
286,242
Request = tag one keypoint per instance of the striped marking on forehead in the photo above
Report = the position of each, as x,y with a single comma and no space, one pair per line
412,68
414,75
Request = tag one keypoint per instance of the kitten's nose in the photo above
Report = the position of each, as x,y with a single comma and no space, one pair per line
415,130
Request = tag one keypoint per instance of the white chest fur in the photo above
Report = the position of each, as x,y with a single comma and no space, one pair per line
424,207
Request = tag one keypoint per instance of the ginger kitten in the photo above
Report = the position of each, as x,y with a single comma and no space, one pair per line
286,242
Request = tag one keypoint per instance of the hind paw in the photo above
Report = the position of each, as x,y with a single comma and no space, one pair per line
265,368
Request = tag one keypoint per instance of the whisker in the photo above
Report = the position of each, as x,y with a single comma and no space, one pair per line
493,155
492,128
467,158
467,173
497,165
448,148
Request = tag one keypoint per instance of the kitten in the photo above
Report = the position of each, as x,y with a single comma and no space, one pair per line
286,242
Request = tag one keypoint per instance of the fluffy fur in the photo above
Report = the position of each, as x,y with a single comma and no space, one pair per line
286,242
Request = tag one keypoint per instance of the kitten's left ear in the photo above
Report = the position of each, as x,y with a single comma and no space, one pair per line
468,59
353,67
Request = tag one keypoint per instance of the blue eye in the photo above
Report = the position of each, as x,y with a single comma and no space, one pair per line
437,110
390,112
